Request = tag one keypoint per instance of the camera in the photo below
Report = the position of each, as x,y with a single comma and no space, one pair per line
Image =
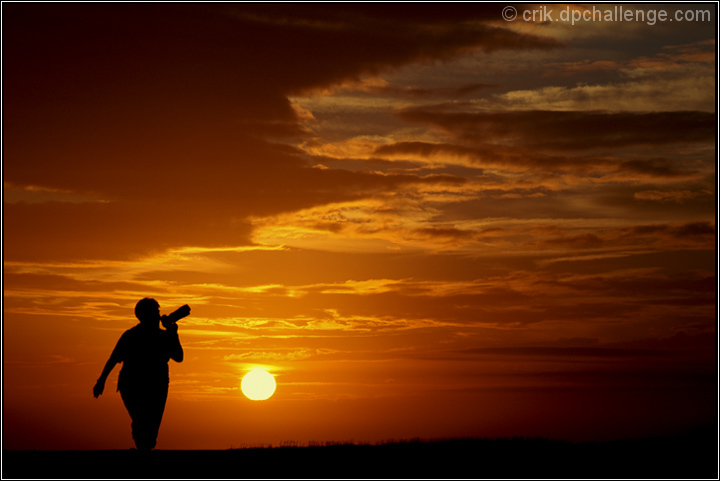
175,316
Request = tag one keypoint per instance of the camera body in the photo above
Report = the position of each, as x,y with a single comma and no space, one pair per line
175,316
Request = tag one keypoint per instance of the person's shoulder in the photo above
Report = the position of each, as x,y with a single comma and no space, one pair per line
132,331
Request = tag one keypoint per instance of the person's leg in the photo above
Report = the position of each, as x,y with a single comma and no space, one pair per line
133,400
146,405
156,401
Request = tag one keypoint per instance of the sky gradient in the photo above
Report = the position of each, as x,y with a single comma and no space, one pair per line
424,220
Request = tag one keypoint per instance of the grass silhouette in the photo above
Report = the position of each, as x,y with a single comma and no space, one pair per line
693,455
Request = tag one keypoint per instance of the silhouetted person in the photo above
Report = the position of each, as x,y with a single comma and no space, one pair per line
145,351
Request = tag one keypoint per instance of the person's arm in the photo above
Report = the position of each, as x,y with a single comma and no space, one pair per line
109,365
176,350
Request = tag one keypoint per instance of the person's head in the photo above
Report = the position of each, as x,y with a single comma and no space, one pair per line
147,311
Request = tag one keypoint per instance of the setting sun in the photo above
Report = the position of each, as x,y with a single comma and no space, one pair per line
258,385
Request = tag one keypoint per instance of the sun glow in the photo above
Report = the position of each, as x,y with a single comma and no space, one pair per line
258,385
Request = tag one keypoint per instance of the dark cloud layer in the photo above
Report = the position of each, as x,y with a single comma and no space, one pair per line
165,112
573,130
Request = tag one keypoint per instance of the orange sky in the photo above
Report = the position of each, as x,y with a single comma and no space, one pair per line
424,220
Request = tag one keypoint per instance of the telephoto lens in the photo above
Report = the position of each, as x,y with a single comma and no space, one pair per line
175,316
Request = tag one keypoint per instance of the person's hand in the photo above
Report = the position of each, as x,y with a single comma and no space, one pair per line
172,327
99,387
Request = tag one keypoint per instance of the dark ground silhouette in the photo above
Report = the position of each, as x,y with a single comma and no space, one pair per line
690,456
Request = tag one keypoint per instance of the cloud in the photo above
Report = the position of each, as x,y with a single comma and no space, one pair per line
560,352
287,355
693,93
678,77
45,361
674,59
379,87
678,59
678,196
160,114
512,160
570,131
